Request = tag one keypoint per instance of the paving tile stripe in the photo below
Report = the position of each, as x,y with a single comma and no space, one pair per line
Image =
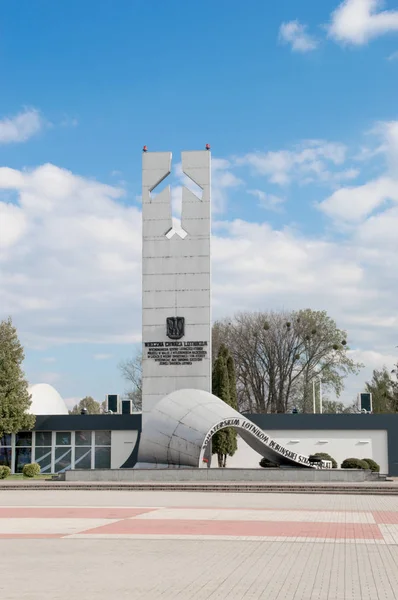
226,538
190,514
386,517
242,528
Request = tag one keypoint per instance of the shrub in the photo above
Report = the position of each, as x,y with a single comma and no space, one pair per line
373,466
4,471
354,463
267,464
31,470
326,456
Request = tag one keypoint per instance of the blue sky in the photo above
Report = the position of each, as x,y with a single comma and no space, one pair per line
299,103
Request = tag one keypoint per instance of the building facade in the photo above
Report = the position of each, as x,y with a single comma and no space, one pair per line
62,442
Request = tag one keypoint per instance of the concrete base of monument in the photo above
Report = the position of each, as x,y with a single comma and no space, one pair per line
223,475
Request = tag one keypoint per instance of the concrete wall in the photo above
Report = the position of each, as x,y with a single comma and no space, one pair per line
122,445
176,275
193,475
340,444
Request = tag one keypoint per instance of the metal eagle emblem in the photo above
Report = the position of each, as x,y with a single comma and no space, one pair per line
175,327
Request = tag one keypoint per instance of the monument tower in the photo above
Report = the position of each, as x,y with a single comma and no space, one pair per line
176,290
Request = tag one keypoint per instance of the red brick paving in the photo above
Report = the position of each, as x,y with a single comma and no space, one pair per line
240,528
386,518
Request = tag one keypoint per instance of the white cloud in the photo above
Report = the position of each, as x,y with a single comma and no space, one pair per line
69,122
359,21
389,130
309,161
49,377
267,201
356,203
71,402
21,127
13,224
49,359
72,258
393,56
102,356
295,34
375,359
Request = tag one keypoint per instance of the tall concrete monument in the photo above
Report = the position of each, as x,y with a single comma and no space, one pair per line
176,319
179,413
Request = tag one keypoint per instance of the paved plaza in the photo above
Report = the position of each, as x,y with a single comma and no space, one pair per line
147,545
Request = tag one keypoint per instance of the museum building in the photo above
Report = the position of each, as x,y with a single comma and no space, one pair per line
60,441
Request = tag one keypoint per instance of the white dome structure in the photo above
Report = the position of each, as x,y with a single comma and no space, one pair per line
46,400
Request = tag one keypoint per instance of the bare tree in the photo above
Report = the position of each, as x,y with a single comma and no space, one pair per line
279,354
131,371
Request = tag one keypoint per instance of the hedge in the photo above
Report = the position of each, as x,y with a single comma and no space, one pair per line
354,463
4,471
325,456
373,466
267,464
31,470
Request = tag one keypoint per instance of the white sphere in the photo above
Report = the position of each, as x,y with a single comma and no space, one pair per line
46,400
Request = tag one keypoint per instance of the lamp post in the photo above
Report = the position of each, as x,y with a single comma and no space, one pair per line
314,395
320,396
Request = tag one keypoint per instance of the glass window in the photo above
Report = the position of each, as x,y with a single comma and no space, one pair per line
63,457
43,458
83,458
102,458
5,456
43,438
83,438
63,438
5,440
24,438
102,438
23,456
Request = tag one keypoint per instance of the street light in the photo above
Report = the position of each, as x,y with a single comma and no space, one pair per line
335,347
314,395
320,395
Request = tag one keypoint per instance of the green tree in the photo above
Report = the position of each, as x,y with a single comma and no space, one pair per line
224,442
384,392
336,407
278,355
92,406
15,399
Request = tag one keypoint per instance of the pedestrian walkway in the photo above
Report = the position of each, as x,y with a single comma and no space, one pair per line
198,546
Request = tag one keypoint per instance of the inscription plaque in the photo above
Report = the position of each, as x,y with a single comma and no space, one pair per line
176,353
